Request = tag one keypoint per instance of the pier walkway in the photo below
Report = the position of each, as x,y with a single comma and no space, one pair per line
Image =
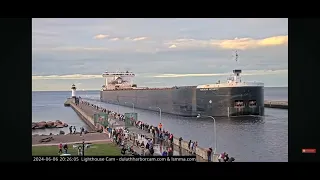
276,104
86,112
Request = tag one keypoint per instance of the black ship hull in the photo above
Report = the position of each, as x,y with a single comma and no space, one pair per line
190,101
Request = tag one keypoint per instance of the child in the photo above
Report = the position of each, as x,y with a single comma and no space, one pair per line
60,148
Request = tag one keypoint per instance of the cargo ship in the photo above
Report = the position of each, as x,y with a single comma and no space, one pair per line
231,98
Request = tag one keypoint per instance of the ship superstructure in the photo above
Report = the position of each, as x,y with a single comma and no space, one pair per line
118,80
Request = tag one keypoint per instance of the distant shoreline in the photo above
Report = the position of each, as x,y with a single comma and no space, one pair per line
99,90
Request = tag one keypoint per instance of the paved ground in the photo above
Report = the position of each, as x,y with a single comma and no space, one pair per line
88,109
70,138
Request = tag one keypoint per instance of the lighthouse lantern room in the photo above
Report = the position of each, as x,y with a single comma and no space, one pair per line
73,91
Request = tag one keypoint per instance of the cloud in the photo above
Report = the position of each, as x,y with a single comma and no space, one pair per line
72,76
135,38
101,36
114,39
237,43
245,73
139,38
70,45
72,49
104,36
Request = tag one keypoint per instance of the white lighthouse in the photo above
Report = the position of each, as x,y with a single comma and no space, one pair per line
73,91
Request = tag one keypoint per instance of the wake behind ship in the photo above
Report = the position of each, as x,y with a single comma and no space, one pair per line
232,98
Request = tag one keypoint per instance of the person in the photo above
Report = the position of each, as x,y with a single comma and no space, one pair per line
150,143
160,136
231,159
180,139
60,148
209,154
151,151
189,145
170,152
221,157
142,151
123,150
114,138
131,149
164,153
80,150
195,147
160,126
74,129
65,147
171,138
81,131
70,129
109,133
226,158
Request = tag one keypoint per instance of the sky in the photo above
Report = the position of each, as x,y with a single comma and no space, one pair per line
161,52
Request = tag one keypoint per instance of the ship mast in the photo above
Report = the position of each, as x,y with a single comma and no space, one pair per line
235,78
237,56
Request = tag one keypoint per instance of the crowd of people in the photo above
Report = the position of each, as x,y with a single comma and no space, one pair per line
109,112
121,136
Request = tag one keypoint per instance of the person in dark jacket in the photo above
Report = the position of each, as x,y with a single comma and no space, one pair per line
226,158
189,145
180,139
151,151
123,151
164,153
209,154
170,152
65,147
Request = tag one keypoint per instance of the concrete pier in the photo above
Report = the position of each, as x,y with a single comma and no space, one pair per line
86,113
69,101
276,104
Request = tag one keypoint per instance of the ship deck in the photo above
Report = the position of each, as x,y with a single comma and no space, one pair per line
147,88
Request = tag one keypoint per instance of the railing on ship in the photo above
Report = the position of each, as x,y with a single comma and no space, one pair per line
245,111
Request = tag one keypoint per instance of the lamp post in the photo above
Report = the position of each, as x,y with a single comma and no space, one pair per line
215,131
82,147
132,105
159,113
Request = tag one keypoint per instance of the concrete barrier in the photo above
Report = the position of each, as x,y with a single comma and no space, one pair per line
202,152
276,104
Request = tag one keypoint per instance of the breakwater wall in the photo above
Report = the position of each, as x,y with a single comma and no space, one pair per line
276,104
85,117
199,151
